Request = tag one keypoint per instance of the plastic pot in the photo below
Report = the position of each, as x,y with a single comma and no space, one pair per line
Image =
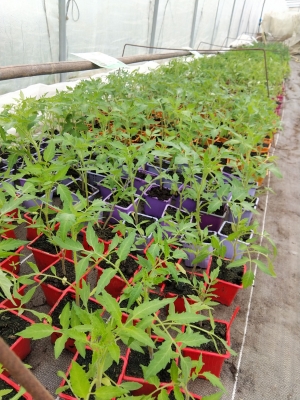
92,189
154,206
15,386
117,284
106,243
21,346
230,245
12,263
225,291
63,395
247,214
16,302
32,233
52,293
213,362
70,343
115,218
212,221
42,258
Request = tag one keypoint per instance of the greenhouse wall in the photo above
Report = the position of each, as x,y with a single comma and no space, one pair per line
29,30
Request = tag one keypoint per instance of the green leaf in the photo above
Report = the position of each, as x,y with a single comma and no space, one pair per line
215,396
79,381
163,395
264,268
104,280
66,221
37,331
149,307
237,263
49,151
65,316
81,268
11,244
111,305
248,279
128,386
64,194
5,284
160,360
215,381
192,339
109,392
91,236
125,246
138,335
60,345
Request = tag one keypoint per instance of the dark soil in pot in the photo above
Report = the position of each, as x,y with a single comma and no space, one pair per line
179,288
9,396
221,211
74,187
174,211
10,324
160,193
136,359
232,275
230,170
105,234
113,372
220,332
227,230
55,281
42,244
128,266
141,175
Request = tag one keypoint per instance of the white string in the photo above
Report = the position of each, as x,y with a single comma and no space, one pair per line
255,271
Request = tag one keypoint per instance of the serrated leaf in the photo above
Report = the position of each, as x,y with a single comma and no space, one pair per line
125,246
264,268
215,381
248,279
37,331
111,305
91,236
160,360
109,392
237,263
192,339
49,151
79,381
60,345
105,279
215,396
149,307
139,335
81,268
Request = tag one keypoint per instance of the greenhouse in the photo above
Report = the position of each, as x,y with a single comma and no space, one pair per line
149,199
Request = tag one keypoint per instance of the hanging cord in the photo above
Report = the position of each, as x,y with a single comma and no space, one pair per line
74,3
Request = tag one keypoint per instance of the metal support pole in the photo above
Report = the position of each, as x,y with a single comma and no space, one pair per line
154,22
241,19
213,35
194,23
62,35
232,12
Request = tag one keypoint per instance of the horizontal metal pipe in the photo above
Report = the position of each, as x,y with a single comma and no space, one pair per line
22,71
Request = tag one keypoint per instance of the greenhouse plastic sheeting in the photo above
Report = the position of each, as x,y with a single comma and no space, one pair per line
29,30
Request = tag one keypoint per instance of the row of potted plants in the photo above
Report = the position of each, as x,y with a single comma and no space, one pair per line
166,169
